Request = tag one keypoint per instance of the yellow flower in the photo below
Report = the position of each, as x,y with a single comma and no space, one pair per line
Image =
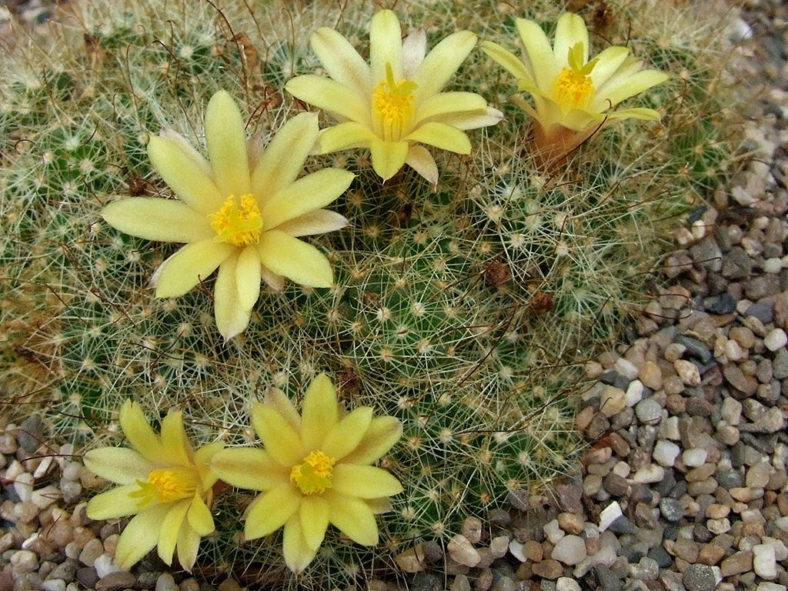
393,104
242,213
571,94
314,471
163,481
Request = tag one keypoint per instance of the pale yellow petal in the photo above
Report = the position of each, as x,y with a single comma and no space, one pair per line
296,551
249,468
140,535
344,136
278,400
441,63
199,517
284,156
231,318
414,48
473,119
441,136
308,193
507,60
226,141
319,221
569,30
540,55
170,526
379,506
313,516
353,517
420,160
382,434
139,433
271,510
449,102
281,441
118,464
319,412
608,62
187,546
331,96
366,482
340,60
298,261
272,280
164,220
184,176
247,277
619,89
116,502
345,436
188,149
202,459
189,266
385,46
634,113
175,445
388,157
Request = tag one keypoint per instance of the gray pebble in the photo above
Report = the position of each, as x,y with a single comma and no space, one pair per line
607,579
622,525
30,433
671,509
699,577
648,411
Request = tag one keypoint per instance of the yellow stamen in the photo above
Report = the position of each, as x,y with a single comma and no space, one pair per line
392,106
165,485
238,223
573,89
314,474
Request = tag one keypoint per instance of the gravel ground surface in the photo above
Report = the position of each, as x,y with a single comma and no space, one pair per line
684,484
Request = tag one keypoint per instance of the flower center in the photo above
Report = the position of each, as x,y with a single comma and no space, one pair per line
165,485
314,474
392,106
238,221
573,89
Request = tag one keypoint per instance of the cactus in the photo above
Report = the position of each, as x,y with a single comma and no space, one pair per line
465,311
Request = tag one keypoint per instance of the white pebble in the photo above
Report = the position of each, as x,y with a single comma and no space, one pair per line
688,372
608,515
44,497
669,429
23,485
462,551
692,458
53,585
666,452
731,410
553,531
612,401
105,565
626,368
634,392
649,474
773,265
764,561
566,584
780,550
776,339
569,550
516,549
768,586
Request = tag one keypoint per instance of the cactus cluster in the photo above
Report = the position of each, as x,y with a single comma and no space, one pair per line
464,310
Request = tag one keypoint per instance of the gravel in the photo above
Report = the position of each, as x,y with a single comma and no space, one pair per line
685,484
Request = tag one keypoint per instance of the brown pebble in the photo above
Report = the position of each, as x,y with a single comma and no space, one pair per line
738,563
532,550
115,581
570,523
548,569
710,554
651,376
